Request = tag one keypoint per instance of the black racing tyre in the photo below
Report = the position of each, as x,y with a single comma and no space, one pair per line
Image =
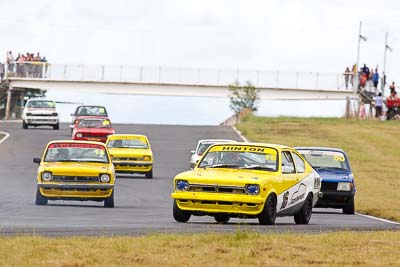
24,125
268,214
180,215
56,127
109,202
40,200
349,208
149,174
222,218
304,215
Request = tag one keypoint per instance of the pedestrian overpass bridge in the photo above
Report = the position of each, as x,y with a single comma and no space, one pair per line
172,81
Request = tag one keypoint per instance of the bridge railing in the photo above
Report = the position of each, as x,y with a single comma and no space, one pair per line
176,75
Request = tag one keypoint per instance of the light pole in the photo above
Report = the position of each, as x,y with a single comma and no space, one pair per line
387,47
364,38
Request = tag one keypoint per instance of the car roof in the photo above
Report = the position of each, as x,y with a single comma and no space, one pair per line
216,140
277,146
35,99
90,106
142,135
319,148
76,142
93,117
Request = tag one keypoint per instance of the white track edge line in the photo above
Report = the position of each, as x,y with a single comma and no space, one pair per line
377,218
240,134
6,135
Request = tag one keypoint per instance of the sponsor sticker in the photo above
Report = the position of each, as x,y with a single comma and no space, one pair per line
129,137
76,145
238,148
337,156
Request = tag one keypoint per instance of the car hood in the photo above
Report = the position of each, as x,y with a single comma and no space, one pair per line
41,110
129,152
232,177
95,130
76,168
335,176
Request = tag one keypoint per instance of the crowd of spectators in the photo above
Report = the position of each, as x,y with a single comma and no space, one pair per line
24,65
368,81
369,78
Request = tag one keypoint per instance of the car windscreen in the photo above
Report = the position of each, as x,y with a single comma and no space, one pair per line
94,123
241,157
202,148
128,142
91,111
323,159
41,104
73,152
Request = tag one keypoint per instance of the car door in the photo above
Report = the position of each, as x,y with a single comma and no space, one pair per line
289,180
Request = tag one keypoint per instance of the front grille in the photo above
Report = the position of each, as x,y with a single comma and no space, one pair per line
127,158
329,186
88,135
41,115
75,178
216,189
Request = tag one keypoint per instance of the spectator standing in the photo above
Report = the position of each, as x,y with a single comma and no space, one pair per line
347,74
361,111
1,72
392,87
375,79
10,62
37,66
378,100
354,74
383,83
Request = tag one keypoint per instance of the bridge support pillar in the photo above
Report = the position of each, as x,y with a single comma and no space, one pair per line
8,105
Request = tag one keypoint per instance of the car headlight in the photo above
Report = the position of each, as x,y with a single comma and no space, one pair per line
46,176
146,158
78,135
104,178
344,186
253,189
182,185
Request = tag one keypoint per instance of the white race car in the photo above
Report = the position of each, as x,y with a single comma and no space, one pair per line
38,112
202,146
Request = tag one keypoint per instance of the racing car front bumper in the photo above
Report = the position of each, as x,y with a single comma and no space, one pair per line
130,166
334,199
75,190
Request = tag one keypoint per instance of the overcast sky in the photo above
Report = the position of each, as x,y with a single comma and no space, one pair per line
309,35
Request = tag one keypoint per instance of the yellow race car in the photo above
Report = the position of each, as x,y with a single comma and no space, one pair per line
75,170
247,180
131,153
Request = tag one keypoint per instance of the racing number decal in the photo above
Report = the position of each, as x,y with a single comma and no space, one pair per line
285,200
270,157
338,158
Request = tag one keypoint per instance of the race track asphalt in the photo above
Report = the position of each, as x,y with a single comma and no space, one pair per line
142,205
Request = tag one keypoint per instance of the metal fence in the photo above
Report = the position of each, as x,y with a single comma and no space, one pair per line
176,75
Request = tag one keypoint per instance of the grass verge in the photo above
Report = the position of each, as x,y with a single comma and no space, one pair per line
237,249
373,148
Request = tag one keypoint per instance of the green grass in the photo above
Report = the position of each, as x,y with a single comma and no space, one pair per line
236,249
373,148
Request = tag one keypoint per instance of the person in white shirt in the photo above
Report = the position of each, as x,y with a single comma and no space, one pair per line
378,100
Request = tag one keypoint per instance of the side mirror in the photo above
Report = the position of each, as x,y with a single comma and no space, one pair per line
36,160
192,152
